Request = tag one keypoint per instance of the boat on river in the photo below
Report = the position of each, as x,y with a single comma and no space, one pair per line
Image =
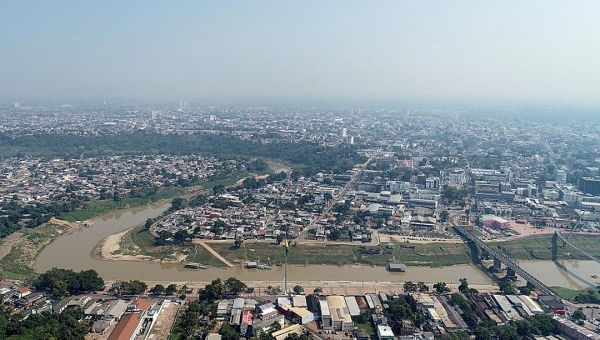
194,265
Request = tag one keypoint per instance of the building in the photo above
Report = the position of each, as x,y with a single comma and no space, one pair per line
590,185
325,314
492,221
574,331
282,334
456,177
560,176
432,183
128,327
396,267
385,333
301,315
341,320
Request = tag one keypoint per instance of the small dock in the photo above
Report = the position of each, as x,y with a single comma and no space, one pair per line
194,265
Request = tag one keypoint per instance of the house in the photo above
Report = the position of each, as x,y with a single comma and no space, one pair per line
385,333
23,292
361,334
282,334
126,329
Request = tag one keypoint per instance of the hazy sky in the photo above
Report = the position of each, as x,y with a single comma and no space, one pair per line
197,50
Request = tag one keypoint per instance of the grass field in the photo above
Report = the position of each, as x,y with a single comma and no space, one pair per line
138,241
565,293
342,254
199,254
227,181
540,247
368,327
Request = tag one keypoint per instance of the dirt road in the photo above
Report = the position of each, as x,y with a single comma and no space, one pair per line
213,252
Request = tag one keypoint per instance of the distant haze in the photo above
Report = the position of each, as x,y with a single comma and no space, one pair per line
369,50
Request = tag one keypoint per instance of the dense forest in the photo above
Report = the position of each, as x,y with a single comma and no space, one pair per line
311,156
68,325
65,281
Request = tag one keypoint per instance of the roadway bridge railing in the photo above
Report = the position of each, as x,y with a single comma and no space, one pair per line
504,259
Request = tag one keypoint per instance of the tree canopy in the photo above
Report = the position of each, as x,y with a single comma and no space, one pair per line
66,280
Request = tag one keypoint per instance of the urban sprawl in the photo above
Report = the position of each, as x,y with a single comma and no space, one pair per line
382,182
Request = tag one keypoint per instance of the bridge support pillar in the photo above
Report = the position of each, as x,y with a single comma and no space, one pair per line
510,274
497,264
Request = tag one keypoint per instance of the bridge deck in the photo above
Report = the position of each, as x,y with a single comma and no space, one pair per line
507,261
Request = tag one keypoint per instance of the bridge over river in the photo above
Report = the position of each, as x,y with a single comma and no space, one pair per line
500,257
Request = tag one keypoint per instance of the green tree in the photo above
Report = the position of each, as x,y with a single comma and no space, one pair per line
212,291
158,289
524,290
177,204
59,288
89,280
444,215
234,285
238,242
507,288
318,290
464,286
441,287
171,289
410,287
148,223
335,234
578,315
296,336
228,332
218,189
298,289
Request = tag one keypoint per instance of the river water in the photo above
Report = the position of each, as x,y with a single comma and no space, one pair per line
74,251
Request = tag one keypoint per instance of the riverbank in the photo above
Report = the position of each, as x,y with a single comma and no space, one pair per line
121,247
20,250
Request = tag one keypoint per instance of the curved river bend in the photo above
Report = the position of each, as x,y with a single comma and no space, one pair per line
74,251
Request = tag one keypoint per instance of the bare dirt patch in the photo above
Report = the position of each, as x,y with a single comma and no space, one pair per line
110,249
162,327
526,229
72,225
117,247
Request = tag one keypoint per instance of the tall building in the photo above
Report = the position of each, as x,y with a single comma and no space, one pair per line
560,176
344,132
590,185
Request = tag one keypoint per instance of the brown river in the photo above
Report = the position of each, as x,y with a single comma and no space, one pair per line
74,251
